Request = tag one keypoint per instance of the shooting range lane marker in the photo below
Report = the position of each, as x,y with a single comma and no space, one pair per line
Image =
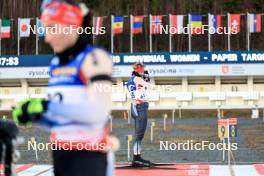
227,128
152,131
173,116
165,116
223,158
218,113
128,116
263,116
33,139
111,122
180,112
129,138
222,128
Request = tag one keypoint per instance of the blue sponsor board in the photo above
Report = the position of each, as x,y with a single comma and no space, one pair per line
155,58
25,61
189,58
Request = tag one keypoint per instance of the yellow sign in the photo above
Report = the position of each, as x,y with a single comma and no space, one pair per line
223,131
227,127
223,128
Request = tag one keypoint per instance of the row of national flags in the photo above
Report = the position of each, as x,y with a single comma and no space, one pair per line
156,22
177,22
23,28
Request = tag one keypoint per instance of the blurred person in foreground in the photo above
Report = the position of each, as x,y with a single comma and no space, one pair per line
76,111
8,155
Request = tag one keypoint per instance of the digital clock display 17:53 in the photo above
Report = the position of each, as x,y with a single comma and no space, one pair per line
9,61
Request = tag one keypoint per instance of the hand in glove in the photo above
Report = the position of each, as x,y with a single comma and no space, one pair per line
146,76
29,110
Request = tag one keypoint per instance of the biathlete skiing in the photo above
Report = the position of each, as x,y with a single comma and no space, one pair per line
137,86
76,111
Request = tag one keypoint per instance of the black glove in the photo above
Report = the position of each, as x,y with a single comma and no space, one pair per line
146,76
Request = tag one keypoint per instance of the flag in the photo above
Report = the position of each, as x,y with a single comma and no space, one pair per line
234,23
40,29
97,24
24,27
177,23
118,24
156,22
5,28
196,24
214,23
254,22
137,24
